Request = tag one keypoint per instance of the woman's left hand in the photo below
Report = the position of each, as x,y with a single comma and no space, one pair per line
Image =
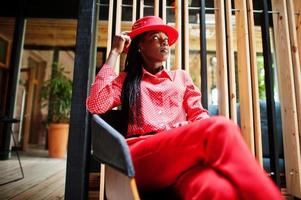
179,124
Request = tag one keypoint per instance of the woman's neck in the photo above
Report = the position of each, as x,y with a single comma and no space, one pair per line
153,68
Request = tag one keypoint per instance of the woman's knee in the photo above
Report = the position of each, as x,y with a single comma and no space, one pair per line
222,189
206,184
223,128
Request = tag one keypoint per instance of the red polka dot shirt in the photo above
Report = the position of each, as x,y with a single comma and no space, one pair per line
168,99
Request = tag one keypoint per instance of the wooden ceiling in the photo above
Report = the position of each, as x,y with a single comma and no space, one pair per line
62,33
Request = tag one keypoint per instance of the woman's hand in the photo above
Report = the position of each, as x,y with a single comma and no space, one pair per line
179,124
120,42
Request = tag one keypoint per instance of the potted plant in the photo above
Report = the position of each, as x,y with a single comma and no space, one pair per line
56,93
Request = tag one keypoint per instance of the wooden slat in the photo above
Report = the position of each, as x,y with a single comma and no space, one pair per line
118,30
178,48
102,182
287,98
164,10
141,14
186,35
295,59
28,110
244,74
156,8
110,26
297,4
254,79
231,62
134,11
119,186
221,55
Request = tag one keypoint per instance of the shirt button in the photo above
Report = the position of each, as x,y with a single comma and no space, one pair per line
161,125
160,112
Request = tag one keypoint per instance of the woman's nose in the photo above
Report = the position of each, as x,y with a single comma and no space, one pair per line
164,42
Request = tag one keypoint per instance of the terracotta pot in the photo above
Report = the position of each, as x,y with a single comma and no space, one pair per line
57,140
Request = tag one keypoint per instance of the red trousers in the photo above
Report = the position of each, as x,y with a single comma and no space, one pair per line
207,159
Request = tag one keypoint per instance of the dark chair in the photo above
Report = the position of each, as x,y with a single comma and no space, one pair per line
110,148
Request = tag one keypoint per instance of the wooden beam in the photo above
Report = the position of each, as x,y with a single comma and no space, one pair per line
164,10
244,74
102,182
118,30
186,35
134,11
156,8
79,141
203,54
297,5
221,55
254,79
287,98
141,12
110,26
295,58
231,62
178,48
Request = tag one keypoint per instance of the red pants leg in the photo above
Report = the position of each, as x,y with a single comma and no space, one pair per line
204,183
215,142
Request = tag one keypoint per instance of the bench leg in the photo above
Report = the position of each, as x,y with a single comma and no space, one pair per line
102,182
119,186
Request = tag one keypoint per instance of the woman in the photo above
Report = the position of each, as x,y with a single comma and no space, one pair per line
172,140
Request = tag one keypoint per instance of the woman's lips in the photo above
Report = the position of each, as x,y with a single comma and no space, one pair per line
164,49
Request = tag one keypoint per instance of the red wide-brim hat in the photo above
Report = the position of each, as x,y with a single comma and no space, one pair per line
153,23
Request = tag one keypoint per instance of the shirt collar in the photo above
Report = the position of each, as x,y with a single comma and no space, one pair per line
161,74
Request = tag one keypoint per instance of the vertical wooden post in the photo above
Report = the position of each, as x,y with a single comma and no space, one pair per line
244,74
254,79
134,11
185,41
79,141
14,73
297,5
156,7
287,98
269,91
295,58
141,7
110,27
221,55
204,84
164,10
118,16
231,62
178,49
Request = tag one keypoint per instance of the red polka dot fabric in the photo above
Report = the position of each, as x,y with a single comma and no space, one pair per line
168,99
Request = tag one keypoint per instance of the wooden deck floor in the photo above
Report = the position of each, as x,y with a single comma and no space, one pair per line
44,177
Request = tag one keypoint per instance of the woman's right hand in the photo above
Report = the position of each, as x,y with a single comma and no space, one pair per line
120,42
